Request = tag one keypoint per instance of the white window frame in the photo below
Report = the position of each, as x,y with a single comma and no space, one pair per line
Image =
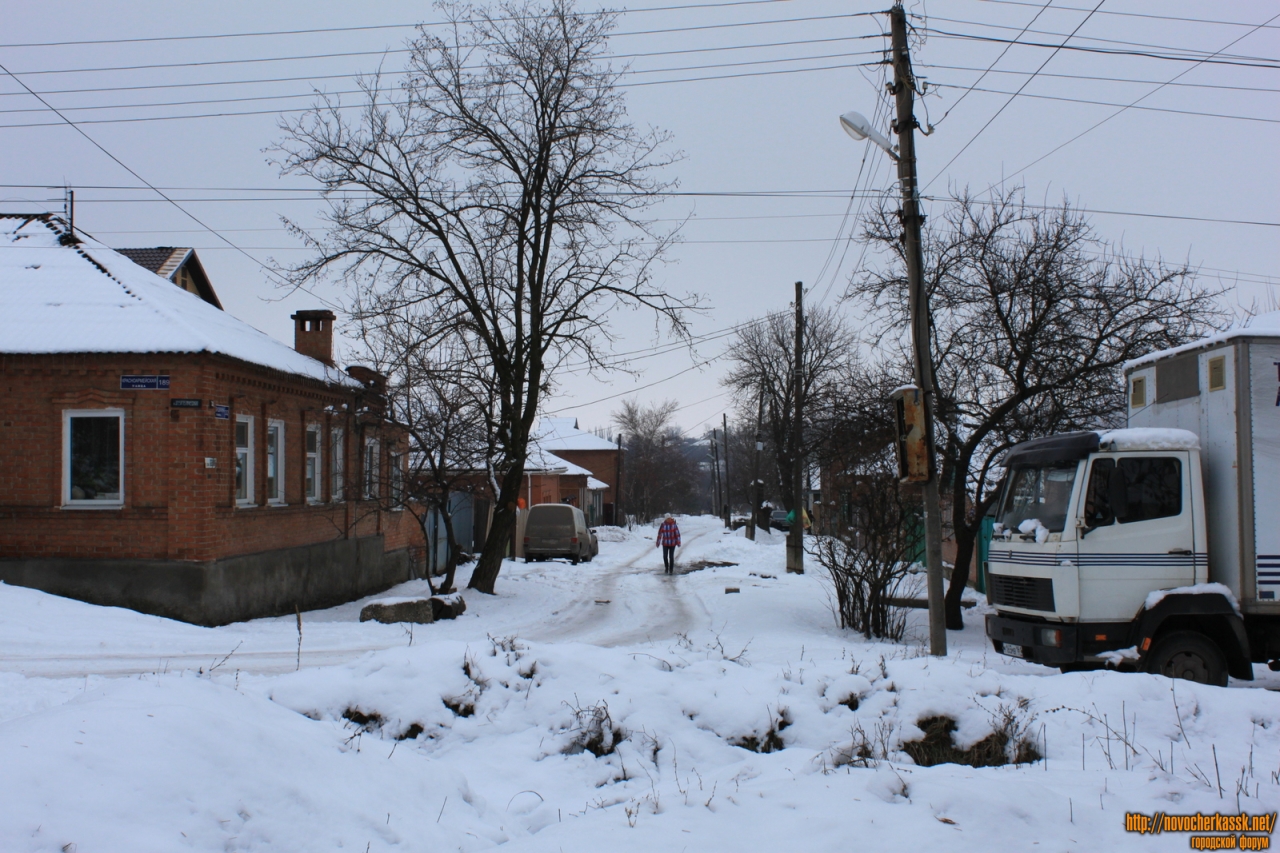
396,474
278,499
314,460
370,487
250,498
337,464
67,501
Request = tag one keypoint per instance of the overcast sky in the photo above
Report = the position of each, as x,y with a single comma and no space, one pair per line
769,173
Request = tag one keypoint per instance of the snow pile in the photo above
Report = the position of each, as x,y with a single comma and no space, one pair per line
599,706
1154,598
1148,438
1033,525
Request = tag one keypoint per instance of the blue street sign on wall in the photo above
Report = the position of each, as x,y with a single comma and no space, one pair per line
222,413
144,383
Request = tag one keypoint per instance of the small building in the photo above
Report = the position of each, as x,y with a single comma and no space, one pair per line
599,456
160,454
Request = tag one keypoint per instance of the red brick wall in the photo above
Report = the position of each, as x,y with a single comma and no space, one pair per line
175,507
603,465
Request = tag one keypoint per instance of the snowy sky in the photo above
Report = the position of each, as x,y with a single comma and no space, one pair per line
1202,147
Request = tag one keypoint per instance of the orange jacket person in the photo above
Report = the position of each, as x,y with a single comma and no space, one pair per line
669,541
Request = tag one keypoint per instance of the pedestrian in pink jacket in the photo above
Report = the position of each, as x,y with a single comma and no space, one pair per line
669,541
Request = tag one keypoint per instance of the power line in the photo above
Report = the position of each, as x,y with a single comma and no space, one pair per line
1263,62
236,113
1126,14
310,78
258,33
1099,124
1024,85
1133,106
387,52
994,62
1126,42
128,169
1103,79
312,94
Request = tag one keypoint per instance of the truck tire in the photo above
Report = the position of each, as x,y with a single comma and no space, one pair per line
1189,655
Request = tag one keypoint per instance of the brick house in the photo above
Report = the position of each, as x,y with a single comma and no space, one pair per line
601,458
162,455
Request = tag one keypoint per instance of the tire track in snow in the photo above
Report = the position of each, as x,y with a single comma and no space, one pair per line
650,602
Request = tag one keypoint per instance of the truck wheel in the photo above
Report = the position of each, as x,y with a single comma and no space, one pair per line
1186,654
573,561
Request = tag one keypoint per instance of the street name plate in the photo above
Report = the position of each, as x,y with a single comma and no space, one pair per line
130,382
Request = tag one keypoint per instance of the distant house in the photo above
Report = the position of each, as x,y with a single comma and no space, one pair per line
162,455
601,457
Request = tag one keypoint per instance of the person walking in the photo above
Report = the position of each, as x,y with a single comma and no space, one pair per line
669,541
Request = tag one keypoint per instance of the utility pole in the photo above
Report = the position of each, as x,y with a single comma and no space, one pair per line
618,518
715,475
904,126
755,473
728,493
795,536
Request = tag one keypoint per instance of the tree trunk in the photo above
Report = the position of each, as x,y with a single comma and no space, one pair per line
965,537
489,563
451,551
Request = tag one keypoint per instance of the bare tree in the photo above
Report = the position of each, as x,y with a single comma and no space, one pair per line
661,475
502,194
762,362
1034,316
442,398
869,554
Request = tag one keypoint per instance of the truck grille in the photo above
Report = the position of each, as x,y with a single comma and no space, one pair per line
1028,593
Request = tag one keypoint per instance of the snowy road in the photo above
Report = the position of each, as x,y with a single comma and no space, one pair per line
740,722
631,602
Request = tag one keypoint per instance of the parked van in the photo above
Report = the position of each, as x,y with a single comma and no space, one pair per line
558,530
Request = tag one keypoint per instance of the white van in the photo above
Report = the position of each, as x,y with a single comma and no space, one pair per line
558,530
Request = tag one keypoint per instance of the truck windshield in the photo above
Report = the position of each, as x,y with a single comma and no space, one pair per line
1040,493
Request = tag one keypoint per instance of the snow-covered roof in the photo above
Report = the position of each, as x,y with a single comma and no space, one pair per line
1148,438
596,485
563,434
1262,326
86,297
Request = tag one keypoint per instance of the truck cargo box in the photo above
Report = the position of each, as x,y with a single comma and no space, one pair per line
1226,389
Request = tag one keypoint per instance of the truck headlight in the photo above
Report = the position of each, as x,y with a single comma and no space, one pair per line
1051,637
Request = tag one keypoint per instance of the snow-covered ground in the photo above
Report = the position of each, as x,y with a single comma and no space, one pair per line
124,732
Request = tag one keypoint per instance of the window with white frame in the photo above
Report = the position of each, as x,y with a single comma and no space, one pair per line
244,460
397,481
275,462
370,469
311,473
337,460
93,458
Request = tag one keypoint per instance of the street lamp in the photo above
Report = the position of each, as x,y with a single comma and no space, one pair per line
857,126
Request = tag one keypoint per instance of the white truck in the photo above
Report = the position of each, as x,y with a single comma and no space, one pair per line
1154,548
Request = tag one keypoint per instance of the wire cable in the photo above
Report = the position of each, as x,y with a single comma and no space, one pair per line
1003,106
1099,124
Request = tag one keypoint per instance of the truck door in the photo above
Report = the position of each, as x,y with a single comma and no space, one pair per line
1136,533
1030,566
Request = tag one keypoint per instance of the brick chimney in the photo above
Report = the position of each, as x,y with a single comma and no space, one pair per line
313,334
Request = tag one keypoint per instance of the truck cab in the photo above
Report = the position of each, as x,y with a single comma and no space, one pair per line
1099,545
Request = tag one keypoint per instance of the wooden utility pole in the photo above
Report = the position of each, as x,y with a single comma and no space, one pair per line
715,475
795,536
756,498
728,493
912,219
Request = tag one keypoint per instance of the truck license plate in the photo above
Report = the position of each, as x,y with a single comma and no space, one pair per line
1011,650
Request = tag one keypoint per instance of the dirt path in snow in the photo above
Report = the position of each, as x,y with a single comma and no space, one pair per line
628,605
